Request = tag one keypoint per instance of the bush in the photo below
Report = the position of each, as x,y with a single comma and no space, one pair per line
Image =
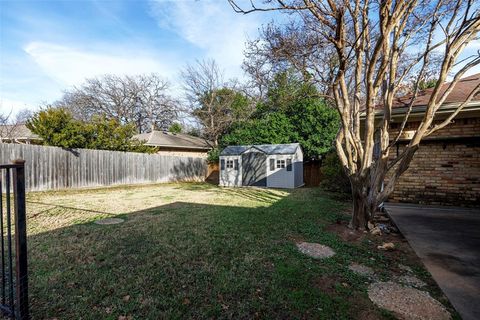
334,178
213,155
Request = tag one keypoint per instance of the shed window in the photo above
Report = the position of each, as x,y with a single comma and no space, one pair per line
222,164
272,164
235,164
229,164
280,164
289,164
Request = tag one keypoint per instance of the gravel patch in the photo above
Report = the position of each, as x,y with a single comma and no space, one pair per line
408,303
405,268
108,221
315,250
411,281
362,270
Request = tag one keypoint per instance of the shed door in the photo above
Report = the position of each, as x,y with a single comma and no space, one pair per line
254,167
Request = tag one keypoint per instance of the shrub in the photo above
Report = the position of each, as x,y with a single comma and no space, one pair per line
213,155
334,178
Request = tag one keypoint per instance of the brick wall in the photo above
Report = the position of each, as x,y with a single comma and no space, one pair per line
468,127
446,169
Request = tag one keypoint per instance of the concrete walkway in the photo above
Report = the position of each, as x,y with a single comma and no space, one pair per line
447,240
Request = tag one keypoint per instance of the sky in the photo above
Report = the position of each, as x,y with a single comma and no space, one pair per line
46,47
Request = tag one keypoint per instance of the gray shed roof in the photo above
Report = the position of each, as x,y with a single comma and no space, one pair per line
289,148
173,140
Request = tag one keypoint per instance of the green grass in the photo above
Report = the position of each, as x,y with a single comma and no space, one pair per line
193,251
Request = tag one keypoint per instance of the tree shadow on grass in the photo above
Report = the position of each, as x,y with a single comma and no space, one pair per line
189,260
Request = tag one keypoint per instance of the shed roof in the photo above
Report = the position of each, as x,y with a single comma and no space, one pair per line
173,140
288,148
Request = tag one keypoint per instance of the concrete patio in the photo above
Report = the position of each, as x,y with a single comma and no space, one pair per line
447,240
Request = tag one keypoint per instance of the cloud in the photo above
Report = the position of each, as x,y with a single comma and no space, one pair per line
71,66
211,26
11,107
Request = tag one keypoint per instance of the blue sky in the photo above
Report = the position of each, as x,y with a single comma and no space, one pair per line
49,46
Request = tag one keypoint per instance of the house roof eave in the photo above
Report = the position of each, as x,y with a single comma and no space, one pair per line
419,110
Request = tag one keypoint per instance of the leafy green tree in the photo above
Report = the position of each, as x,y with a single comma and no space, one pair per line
272,128
175,128
57,127
292,112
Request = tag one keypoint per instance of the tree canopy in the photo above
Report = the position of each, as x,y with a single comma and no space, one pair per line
142,101
215,103
57,127
291,112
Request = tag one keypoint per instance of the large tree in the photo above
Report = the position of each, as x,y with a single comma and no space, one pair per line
214,102
141,100
377,46
291,111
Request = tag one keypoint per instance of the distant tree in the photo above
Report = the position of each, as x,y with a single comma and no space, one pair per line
292,111
141,100
23,115
10,123
175,128
271,129
57,127
215,103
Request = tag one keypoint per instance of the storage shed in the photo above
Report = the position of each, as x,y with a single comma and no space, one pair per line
266,165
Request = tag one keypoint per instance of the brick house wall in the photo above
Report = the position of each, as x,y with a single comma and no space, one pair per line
446,168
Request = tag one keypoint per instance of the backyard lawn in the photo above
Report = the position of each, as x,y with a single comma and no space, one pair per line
199,251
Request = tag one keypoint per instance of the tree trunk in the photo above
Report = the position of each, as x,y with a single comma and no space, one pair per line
362,208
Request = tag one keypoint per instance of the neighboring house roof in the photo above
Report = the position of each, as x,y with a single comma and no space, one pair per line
173,140
17,132
459,94
289,148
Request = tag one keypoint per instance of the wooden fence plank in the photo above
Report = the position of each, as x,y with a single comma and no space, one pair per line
49,168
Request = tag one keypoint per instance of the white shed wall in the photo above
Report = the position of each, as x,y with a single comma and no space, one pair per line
298,168
276,178
229,177
280,177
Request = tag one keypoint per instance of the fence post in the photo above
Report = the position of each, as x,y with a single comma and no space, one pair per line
20,240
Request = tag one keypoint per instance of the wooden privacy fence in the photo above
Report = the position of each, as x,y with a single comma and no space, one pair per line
49,168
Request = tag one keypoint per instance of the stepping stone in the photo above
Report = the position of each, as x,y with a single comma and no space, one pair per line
406,302
411,281
108,221
315,250
361,270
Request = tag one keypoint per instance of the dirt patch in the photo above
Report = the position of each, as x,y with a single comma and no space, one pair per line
315,250
325,284
346,234
408,303
362,308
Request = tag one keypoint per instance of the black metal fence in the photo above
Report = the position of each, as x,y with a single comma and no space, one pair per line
13,242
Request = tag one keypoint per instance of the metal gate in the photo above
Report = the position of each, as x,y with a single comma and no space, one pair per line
13,242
